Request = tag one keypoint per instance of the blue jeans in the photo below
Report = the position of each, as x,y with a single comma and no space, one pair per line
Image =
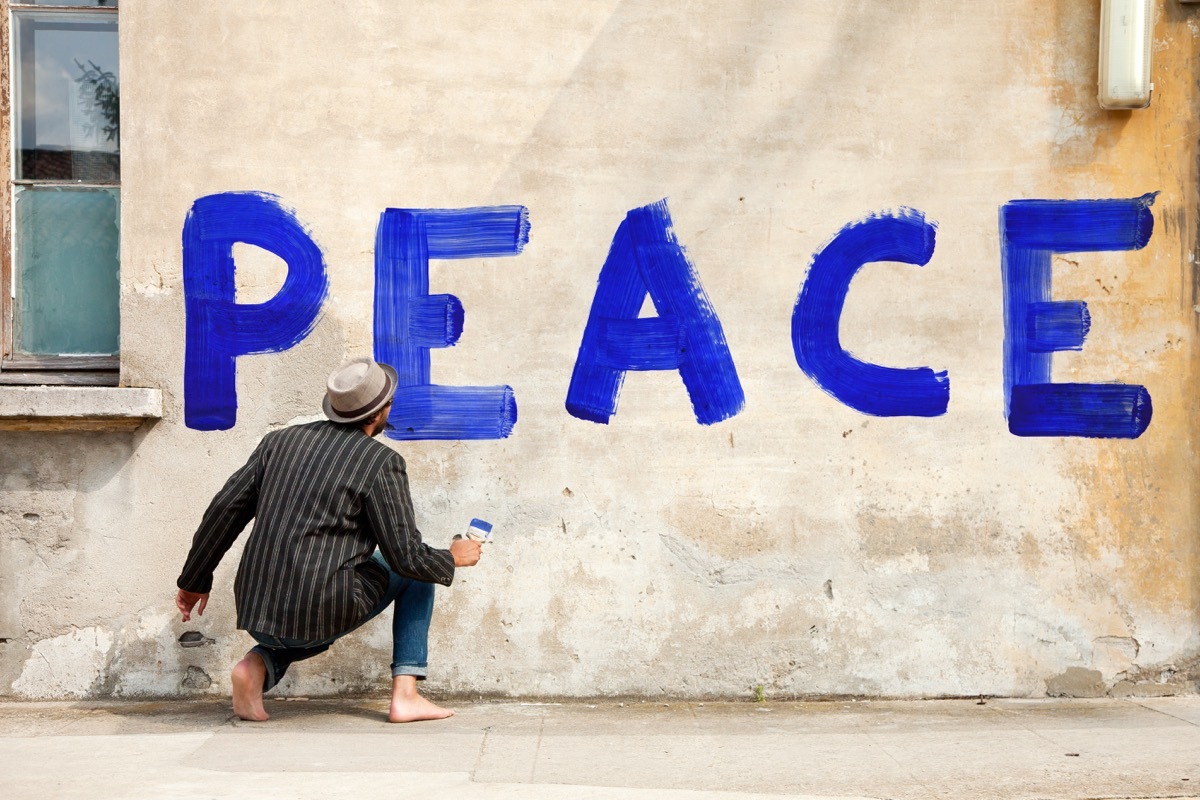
413,601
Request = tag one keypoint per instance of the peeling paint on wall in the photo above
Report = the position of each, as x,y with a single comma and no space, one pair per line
70,665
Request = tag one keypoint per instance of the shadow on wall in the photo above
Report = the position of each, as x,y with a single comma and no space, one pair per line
861,34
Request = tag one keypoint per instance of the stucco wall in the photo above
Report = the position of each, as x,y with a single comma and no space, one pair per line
800,544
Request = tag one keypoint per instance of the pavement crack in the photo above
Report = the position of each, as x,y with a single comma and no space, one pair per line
482,748
903,768
537,749
1165,713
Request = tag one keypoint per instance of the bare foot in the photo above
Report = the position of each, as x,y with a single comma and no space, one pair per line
416,709
248,676
409,706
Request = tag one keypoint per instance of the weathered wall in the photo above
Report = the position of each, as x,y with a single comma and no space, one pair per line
800,545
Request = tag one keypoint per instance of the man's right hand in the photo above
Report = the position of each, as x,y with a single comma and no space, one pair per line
185,601
466,552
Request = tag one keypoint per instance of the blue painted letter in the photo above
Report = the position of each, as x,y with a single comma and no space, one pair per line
219,329
1031,232
881,391
646,258
409,321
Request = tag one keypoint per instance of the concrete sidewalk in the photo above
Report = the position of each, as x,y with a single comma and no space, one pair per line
606,750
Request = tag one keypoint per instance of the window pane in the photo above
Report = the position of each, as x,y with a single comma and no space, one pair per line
68,124
67,287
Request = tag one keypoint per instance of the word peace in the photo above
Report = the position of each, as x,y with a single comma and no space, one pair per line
646,259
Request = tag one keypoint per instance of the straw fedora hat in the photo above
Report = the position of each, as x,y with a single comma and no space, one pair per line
358,389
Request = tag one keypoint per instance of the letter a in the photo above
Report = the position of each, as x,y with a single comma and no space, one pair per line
645,258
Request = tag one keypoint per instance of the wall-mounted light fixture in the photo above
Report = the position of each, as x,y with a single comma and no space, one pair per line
1126,47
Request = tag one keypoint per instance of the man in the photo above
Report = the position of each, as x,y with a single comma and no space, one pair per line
324,496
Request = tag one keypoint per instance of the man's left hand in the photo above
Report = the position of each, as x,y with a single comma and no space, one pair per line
185,601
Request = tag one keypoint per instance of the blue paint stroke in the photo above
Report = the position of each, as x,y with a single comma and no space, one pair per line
452,412
1107,410
409,321
645,258
906,237
435,320
1031,233
1055,326
218,329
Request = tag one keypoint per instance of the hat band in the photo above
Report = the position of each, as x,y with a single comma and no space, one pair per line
387,389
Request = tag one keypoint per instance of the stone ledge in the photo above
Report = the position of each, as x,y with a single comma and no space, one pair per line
77,408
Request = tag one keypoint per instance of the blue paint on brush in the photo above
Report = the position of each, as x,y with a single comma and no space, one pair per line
646,259
218,329
409,321
1031,232
905,237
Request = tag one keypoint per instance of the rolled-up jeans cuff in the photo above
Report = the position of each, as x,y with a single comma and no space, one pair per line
418,672
265,654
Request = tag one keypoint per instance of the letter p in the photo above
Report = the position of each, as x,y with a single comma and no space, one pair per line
218,328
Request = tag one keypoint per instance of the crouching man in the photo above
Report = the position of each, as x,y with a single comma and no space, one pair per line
334,544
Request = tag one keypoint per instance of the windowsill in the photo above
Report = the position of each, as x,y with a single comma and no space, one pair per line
77,408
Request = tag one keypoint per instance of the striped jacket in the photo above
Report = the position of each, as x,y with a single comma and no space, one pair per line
323,496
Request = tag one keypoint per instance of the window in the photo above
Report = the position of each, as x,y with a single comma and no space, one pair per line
61,298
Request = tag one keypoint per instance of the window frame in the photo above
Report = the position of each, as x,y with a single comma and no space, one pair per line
36,370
